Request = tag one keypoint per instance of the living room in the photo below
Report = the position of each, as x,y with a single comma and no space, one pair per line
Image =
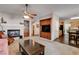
40,29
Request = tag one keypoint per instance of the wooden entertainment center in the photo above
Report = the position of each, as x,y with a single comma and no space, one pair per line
45,34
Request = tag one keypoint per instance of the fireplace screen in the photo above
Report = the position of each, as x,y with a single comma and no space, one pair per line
13,33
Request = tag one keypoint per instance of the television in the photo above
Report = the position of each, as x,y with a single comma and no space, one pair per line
45,28
13,33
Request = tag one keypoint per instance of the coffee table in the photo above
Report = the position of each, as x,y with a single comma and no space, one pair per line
30,47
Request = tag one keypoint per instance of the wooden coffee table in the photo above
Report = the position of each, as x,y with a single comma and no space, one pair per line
30,47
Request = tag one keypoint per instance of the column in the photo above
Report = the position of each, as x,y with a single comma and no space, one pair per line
30,29
54,27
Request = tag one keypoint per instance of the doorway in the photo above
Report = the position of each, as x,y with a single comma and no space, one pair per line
61,31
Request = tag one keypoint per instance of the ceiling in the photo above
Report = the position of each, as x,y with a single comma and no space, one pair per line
64,11
12,9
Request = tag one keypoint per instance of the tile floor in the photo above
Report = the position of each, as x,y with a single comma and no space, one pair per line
51,47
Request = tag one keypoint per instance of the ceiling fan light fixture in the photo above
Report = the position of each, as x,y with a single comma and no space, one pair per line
26,17
27,12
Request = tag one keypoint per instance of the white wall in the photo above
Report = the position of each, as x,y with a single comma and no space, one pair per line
54,27
12,23
66,28
36,29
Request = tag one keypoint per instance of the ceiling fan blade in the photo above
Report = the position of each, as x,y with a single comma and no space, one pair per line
34,14
28,12
29,15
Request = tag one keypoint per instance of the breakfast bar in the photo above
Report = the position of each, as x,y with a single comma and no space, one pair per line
74,35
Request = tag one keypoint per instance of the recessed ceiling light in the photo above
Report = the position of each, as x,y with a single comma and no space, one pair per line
74,18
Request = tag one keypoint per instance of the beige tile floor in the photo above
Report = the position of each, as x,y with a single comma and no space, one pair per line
14,48
51,47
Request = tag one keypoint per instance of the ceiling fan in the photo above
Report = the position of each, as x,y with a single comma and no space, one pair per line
27,13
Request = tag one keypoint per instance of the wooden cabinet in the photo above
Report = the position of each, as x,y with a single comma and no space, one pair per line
46,35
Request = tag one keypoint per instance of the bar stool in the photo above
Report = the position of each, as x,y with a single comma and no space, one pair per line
77,36
72,37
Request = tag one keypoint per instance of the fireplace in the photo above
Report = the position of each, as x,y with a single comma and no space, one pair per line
13,33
